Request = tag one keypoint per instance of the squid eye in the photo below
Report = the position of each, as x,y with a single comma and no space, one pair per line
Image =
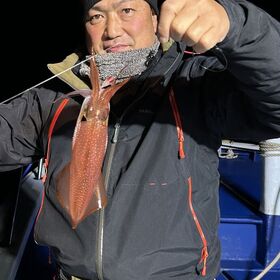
102,114
89,113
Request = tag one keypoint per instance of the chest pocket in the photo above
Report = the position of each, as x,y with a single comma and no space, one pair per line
154,153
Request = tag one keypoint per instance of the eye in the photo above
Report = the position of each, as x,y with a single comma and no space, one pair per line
128,11
95,19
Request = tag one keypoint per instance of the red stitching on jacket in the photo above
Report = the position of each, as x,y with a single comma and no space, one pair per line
41,207
204,251
179,126
53,122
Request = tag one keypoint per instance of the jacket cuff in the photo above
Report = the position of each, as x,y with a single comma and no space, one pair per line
237,16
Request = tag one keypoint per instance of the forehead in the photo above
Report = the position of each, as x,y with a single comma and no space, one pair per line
115,3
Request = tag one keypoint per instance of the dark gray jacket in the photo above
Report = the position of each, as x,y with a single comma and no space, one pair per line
163,213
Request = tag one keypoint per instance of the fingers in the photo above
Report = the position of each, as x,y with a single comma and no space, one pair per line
201,24
201,36
167,14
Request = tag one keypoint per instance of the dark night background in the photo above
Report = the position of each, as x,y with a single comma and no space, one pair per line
34,33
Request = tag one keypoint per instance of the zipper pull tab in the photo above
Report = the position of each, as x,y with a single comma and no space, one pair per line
116,133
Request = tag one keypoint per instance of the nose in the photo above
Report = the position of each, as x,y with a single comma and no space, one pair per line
113,27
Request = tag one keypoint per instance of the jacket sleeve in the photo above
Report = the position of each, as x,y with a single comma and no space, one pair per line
21,127
250,103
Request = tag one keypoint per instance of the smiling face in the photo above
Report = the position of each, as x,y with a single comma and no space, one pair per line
120,25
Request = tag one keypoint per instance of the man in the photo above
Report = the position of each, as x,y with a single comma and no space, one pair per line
160,214
200,24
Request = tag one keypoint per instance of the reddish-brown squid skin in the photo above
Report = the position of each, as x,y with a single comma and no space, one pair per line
80,185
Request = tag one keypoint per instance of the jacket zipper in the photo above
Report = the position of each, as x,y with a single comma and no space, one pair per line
101,217
204,251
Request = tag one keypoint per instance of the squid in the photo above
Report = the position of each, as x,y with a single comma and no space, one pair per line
80,185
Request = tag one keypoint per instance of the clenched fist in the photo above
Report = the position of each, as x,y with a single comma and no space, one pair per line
201,24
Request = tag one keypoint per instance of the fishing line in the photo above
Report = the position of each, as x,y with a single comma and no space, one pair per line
218,53
48,79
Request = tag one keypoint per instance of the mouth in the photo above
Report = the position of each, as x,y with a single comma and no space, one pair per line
117,48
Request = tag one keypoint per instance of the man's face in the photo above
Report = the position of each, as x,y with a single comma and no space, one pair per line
120,25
